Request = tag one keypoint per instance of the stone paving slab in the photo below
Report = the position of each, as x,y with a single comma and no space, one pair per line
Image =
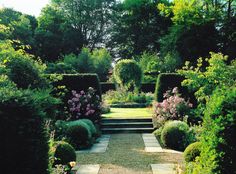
151,143
163,168
154,149
86,169
99,147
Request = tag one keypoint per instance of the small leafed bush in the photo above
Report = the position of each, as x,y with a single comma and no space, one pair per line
122,96
192,151
175,135
64,153
128,74
85,105
61,127
173,107
79,135
21,68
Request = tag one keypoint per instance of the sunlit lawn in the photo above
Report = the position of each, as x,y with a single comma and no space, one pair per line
129,112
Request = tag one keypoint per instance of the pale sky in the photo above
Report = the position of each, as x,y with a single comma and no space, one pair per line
32,7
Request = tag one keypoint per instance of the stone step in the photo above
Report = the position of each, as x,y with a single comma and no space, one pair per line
126,130
127,125
125,120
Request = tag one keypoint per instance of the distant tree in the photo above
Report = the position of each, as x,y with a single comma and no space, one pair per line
199,27
54,36
138,26
91,18
21,27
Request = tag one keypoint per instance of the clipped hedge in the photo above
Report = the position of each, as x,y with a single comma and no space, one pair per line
24,142
107,86
79,82
148,87
167,81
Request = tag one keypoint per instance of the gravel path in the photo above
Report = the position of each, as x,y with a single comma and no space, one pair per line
125,155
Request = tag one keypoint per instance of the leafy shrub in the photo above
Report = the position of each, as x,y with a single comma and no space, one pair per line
158,131
105,108
21,68
24,143
173,107
128,74
218,145
192,151
175,135
122,96
85,105
64,153
203,81
145,87
61,127
5,82
79,135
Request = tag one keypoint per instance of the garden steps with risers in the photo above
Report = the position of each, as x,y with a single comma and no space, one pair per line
126,125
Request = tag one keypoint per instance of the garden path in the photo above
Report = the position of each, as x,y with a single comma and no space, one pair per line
126,154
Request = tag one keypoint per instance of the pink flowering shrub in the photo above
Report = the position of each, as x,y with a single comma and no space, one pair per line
173,107
85,105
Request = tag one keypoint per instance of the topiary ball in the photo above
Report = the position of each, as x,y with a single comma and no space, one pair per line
78,135
128,74
175,135
92,127
192,151
64,153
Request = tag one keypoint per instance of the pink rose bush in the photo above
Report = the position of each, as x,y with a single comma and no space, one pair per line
85,105
173,107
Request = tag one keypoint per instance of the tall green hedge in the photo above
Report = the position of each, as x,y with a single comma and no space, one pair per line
24,142
167,81
80,82
106,86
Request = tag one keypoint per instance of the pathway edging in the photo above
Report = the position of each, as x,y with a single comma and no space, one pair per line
86,169
99,147
167,168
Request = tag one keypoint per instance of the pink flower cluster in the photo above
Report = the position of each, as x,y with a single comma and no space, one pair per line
173,107
85,105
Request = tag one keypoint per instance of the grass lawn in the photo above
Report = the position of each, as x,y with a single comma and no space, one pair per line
129,112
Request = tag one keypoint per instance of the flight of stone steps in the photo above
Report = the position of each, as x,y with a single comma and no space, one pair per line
126,125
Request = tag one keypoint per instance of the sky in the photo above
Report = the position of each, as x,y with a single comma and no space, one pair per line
32,7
